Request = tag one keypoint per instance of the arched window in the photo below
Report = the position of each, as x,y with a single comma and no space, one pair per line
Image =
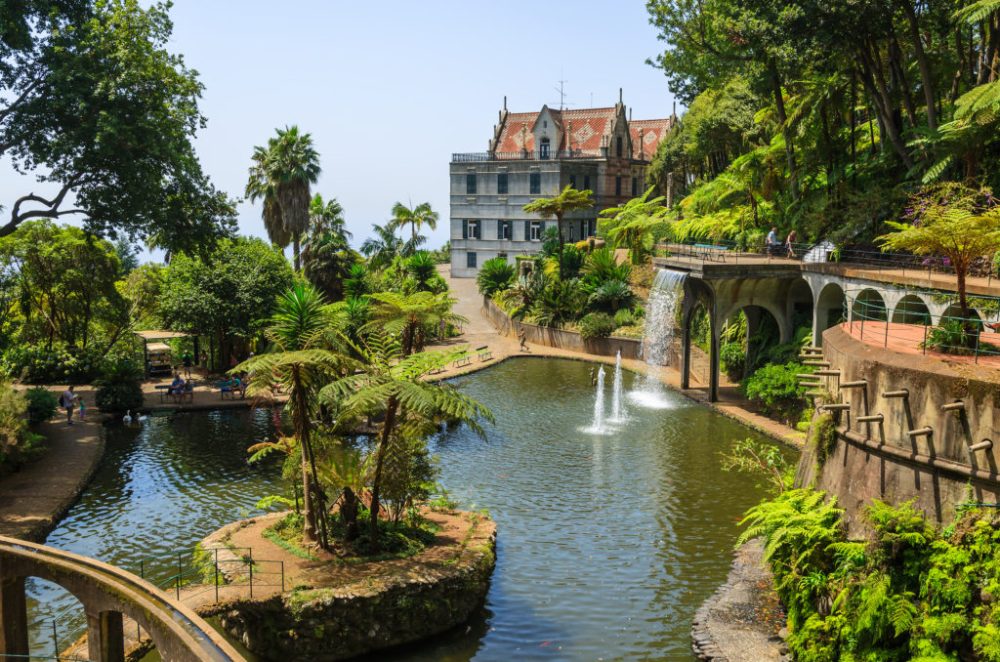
543,149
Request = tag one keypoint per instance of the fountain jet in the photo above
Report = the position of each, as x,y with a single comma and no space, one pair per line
618,413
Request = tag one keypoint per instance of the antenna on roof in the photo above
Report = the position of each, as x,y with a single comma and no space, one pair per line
505,102
562,94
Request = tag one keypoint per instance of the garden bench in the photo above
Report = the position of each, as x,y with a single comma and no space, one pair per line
485,353
462,361
713,251
225,388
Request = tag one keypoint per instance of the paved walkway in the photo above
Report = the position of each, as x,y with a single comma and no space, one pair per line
33,499
909,338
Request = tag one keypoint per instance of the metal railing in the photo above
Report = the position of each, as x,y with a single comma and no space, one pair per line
953,336
526,155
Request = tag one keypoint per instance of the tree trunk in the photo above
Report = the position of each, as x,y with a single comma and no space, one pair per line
349,513
295,251
922,64
779,103
309,534
874,82
896,69
559,232
387,428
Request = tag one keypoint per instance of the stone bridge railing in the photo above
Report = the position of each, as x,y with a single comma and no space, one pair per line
107,594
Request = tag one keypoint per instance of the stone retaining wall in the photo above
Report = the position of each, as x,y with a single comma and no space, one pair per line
630,348
881,460
369,614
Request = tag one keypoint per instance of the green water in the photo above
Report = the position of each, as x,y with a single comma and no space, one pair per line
607,544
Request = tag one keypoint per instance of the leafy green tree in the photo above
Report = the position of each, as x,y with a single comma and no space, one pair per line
303,357
228,296
568,201
327,259
962,227
95,107
412,316
416,217
384,247
327,218
281,174
66,286
635,225
392,389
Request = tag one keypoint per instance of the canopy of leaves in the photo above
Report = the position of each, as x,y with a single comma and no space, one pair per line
94,106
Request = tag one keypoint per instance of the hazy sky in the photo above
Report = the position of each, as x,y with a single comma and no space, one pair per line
390,89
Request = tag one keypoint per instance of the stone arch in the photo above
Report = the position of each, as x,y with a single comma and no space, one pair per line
799,305
911,309
763,331
954,311
828,310
869,304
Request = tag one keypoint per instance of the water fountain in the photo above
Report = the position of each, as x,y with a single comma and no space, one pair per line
597,424
618,413
661,315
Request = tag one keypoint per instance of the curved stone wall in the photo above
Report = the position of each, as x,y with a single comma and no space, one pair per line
925,447
371,613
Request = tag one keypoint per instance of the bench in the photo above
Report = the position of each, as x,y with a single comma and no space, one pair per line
186,392
463,360
484,353
226,388
712,251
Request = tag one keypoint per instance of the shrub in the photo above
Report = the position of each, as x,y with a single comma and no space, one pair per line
119,388
601,266
17,443
42,404
612,295
572,260
776,388
733,358
596,325
34,364
625,317
421,267
950,337
558,303
494,276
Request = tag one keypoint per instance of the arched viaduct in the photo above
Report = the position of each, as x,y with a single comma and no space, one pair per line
107,594
788,291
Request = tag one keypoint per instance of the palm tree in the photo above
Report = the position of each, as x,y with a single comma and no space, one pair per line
301,361
281,174
420,215
408,315
633,224
327,217
260,187
392,389
383,248
568,201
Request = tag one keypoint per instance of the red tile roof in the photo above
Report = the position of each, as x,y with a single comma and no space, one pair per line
647,136
586,128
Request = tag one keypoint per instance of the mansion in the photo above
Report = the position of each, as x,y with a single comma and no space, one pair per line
537,154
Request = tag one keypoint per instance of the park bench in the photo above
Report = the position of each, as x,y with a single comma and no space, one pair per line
226,388
712,251
484,353
463,360
187,392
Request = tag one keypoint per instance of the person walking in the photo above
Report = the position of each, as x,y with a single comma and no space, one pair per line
67,401
522,339
790,244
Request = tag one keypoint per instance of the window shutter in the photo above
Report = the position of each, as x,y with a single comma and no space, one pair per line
527,230
465,229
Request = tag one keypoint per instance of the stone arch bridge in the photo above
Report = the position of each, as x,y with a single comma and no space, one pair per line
792,292
107,594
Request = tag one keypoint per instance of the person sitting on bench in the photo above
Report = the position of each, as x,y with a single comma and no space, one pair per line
176,386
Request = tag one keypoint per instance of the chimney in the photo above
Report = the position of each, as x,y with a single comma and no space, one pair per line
569,136
642,146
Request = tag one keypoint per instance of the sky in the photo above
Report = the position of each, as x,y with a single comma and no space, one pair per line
390,89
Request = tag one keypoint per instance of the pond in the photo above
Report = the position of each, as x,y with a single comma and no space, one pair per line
607,544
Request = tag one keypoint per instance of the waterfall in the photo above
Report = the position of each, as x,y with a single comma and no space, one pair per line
661,320
661,315
597,424
618,413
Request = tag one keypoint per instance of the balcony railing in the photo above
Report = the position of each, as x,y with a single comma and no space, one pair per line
472,157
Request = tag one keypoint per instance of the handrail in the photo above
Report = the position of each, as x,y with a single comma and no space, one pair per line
178,620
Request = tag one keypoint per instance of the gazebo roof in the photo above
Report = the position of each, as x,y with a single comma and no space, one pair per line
161,335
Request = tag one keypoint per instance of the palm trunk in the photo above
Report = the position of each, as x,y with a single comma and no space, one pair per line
295,251
309,534
387,428
779,104
560,250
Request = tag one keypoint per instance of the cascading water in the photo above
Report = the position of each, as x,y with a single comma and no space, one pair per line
661,314
597,424
618,413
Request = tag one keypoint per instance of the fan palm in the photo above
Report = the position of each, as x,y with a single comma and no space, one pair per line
281,174
569,200
301,360
408,315
391,387
419,216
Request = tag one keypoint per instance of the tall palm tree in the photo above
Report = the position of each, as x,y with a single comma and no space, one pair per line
301,360
392,388
569,200
382,248
407,315
327,217
281,174
419,216
261,187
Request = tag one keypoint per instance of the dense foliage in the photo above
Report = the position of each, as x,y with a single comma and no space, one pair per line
910,592
17,444
776,387
119,388
41,404
823,116
94,106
